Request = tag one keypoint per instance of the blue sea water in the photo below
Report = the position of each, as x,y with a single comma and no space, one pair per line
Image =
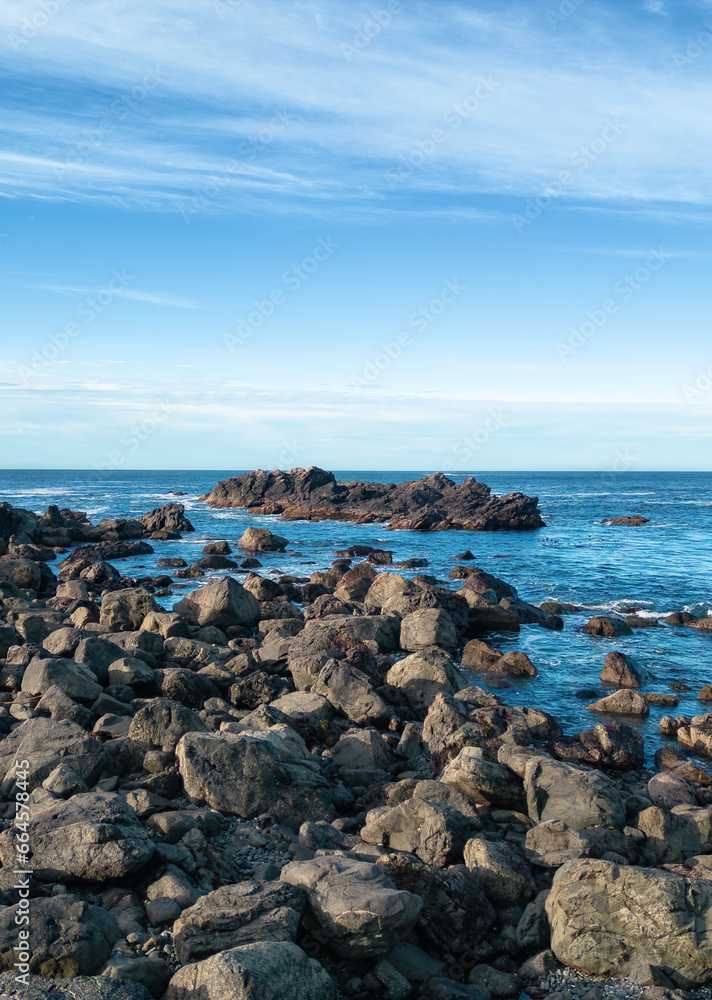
659,567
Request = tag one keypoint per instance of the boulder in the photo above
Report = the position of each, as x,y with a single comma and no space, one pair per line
349,691
423,675
354,904
93,836
363,750
235,915
428,627
433,831
316,645
607,919
623,702
45,743
503,872
580,798
622,671
76,679
261,540
484,781
245,774
514,663
305,709
477,655
169,517
125,610
162,722
384,630
667,791
603,625
675,835
611,744
222,603
697,736
67,937
388,585
77,988
265,970
553,843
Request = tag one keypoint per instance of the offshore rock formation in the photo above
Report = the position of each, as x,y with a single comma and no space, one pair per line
434,503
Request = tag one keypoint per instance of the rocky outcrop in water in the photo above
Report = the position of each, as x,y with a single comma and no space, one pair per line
434,503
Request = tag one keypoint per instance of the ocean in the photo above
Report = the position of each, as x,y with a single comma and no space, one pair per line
660,567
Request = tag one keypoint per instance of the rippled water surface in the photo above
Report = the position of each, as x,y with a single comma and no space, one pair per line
659,567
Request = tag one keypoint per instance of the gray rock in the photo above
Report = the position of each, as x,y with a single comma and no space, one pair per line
238,914
622,671
245,774
428,627
275,970
384,630
504,874
623,702
125,610
153,974
305,709
424,675
174,884
163,722
553,843
75,679
673,836
607,919
261,540
63,641
667,790
363,750
44,744
59,706
354,904
98,655
483,780
68,937
350,691
131,672
316,645
162,910
533,931
222,603
93,836
64,782
434,832
576,796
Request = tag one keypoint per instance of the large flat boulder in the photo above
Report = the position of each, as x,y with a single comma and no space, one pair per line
93,836
355,904
265,970
606,919
245,774
238,914
67,937
45,743
579,797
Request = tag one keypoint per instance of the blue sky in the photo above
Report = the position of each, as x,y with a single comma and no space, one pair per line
362,235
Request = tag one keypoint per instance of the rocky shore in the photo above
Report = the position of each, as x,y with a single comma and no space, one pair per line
434,503
298,788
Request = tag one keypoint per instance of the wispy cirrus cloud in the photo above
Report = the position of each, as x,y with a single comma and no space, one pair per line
264,100
125,293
